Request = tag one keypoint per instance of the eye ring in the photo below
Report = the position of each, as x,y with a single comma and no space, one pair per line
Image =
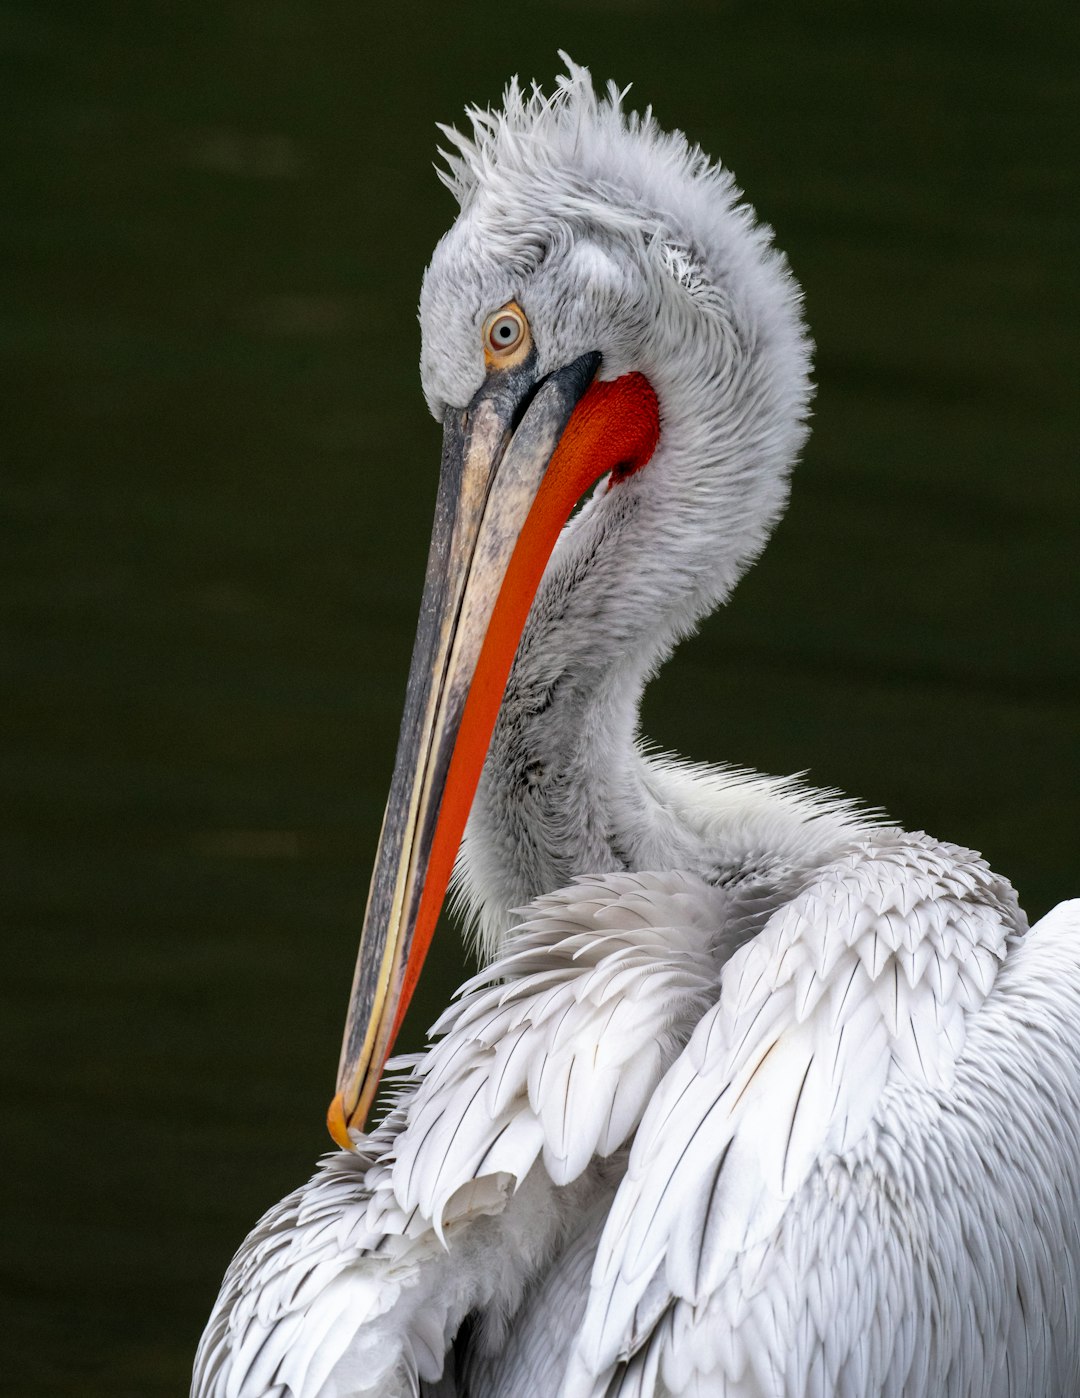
506,334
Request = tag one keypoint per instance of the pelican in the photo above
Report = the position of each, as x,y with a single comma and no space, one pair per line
756,1094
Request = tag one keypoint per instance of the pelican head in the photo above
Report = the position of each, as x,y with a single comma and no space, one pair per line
605,319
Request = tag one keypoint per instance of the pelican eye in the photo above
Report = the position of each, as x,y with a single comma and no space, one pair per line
506,334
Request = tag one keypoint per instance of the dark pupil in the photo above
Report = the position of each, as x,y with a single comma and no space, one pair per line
505,331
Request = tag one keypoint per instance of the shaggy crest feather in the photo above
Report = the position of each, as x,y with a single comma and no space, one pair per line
533,129
577,157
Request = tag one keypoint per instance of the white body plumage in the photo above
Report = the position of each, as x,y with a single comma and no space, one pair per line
768,1098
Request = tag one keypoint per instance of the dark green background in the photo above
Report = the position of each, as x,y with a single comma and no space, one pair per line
217,483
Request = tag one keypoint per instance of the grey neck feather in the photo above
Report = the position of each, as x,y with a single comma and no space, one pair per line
563,772
566,790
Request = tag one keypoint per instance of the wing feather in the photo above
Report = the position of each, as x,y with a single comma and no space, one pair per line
816,1016
361,1277
570,1031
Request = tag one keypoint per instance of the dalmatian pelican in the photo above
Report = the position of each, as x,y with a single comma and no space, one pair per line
756,1094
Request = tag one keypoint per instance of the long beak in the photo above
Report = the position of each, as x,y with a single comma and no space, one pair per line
494,531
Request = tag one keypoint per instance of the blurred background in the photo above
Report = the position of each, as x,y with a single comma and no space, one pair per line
217,482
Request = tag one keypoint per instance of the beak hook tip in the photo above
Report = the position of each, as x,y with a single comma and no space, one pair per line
337,1123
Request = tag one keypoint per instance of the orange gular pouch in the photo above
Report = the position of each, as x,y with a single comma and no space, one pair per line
530,487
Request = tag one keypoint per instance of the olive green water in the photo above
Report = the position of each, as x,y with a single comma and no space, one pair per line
217,484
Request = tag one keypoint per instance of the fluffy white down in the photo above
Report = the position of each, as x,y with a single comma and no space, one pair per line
798,1111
